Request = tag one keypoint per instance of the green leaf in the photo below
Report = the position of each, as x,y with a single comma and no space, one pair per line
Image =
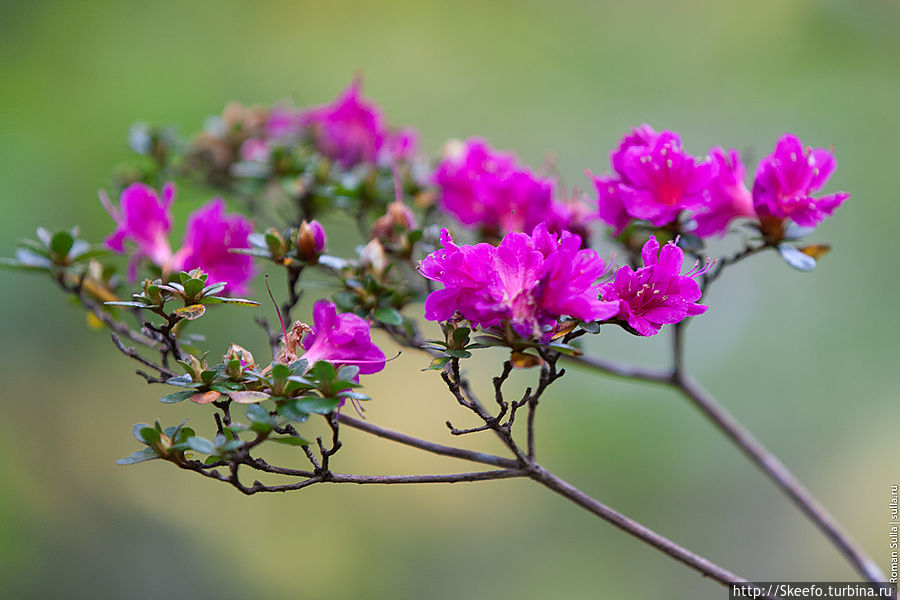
130,304
138,456
354,395
564,349
226,300
176,397
193,288
257,252
323,371
182,381
148,435
213,289
458,353
226,387
299,366
247,397
136,431
460,335
434,347
258,240
291,412
280,372
347,372
303,381
258,414
33,260
437,364
194,311
201,445
318,405
795,258
11,263
236,428
590,327
44,235
61,243
290,441
388,316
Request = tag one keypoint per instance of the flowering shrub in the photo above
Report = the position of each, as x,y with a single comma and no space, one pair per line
517,274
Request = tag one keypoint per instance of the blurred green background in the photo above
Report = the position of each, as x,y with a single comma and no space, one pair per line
807,361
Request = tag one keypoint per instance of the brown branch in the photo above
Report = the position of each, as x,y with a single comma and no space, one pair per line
625,371
643,533
402,438
764,459
775,470
132,353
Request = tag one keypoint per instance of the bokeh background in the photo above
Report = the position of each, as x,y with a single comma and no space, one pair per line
807,361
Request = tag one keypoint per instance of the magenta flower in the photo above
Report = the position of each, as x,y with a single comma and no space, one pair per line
341,339
350,130
786,180
654,180
656,294
661,180
528,282
144,220
468,178
209,235
610,205
729,197
483,187
640,137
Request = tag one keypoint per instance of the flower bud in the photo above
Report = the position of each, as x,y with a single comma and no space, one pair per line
237,360
194,368
310,240
398,219
374,256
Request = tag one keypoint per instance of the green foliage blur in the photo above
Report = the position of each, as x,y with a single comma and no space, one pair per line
806,360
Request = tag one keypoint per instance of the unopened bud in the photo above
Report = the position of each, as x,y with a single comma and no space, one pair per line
374,256
237,360
310,240
398,219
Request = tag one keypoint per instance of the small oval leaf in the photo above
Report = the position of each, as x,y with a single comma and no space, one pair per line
194,311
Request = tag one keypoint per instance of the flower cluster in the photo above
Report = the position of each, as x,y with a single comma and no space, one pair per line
210,234
527,282
351,130
655,181
483,187
656,294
